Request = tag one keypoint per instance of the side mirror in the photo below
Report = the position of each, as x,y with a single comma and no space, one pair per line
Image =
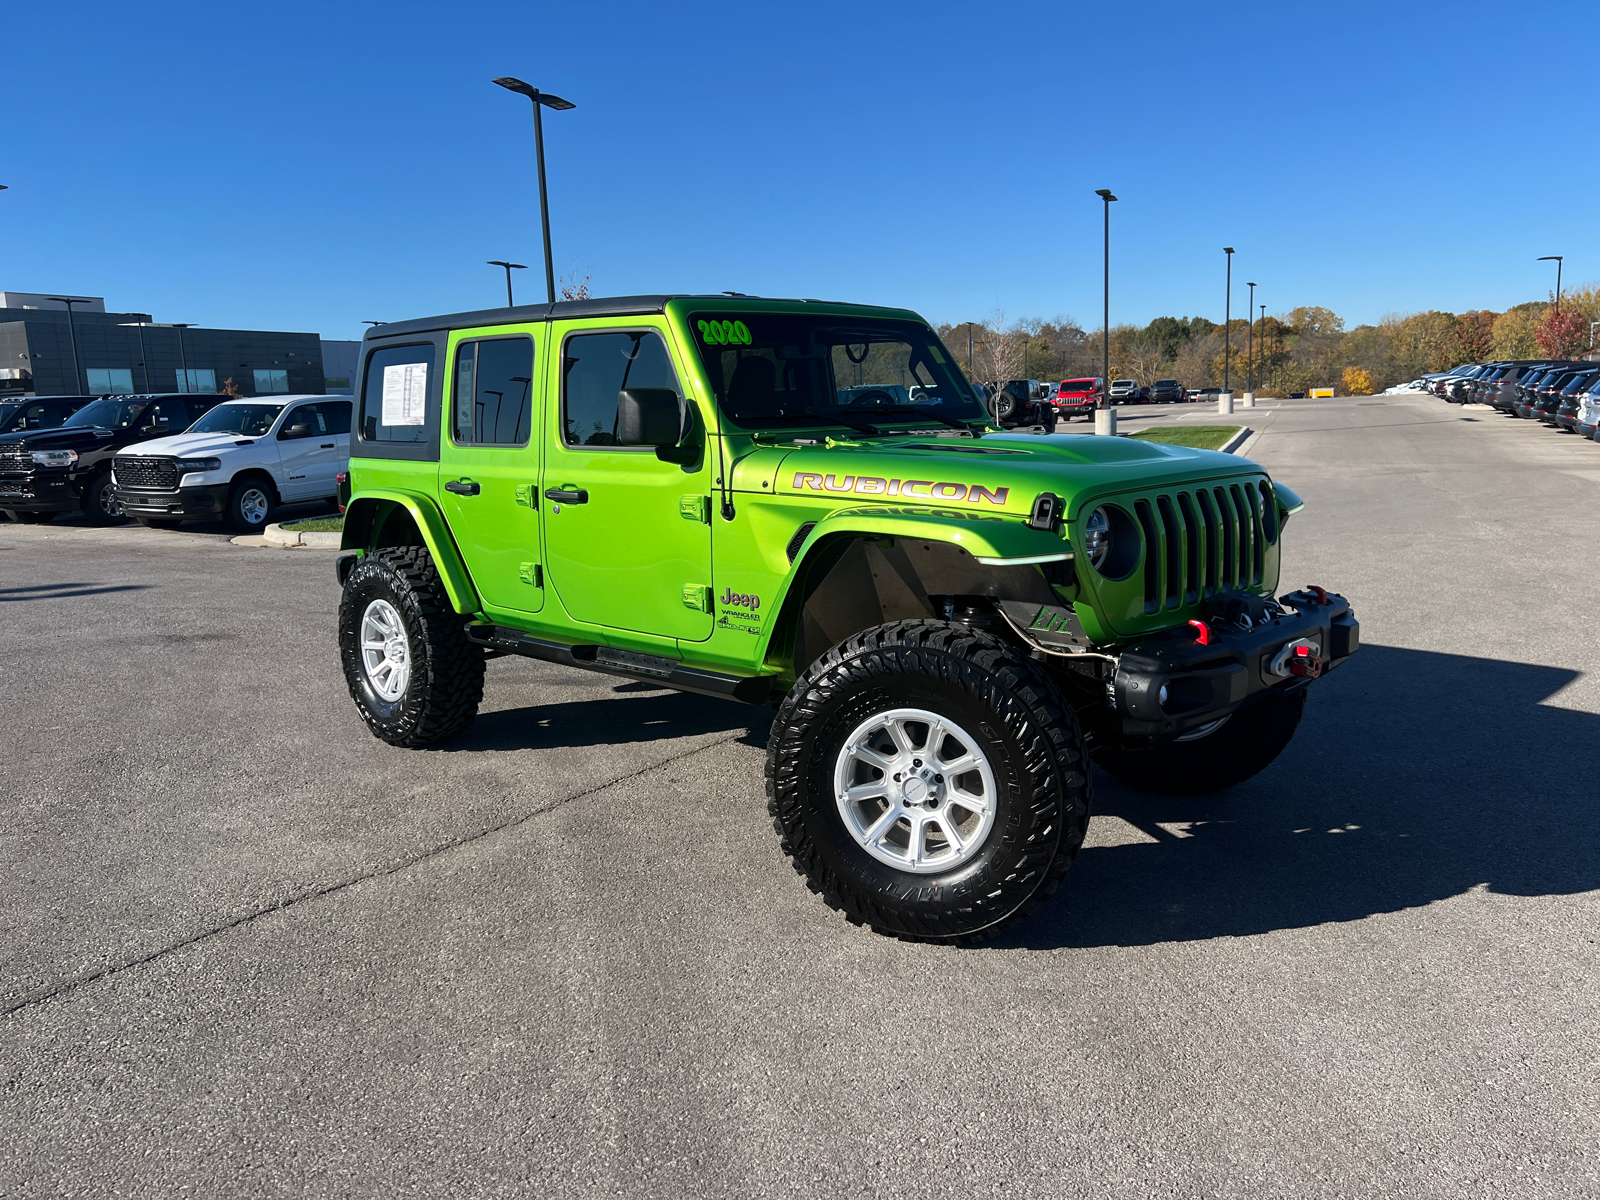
161,425
648,417
300,429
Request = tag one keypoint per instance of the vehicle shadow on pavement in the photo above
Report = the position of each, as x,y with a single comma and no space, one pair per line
66,591
1414,777
613,719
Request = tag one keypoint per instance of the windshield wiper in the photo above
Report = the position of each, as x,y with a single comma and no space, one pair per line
916,410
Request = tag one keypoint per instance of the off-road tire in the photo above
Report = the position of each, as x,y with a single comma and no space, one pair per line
1025,728
446,682
1244,747
158,522
99,503
30,518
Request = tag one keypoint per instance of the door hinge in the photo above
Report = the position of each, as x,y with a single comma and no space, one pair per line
697,596
528,495
532,573
695,508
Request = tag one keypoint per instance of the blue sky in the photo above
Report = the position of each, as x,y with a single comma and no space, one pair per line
307,167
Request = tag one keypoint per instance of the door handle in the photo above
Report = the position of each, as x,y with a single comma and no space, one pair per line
462,487
567,495
325,446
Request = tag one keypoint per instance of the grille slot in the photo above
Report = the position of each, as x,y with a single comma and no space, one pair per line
1153,556
1173,575
157,474
1191,546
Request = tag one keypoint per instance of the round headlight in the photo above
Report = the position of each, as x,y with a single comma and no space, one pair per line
1097,538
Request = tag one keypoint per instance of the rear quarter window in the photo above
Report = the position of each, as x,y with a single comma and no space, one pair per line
398,410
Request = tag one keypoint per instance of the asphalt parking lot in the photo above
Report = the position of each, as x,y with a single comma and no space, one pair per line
251,951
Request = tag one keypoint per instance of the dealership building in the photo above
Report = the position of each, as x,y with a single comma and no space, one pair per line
49,347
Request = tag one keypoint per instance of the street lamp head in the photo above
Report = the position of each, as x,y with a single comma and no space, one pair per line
513,84
1550,258
374,322
1227,249
1104,194
1250,283
510,266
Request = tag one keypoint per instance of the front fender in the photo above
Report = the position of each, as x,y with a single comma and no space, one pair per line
991,541
369,512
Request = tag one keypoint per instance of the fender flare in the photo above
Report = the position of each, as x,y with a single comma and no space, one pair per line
368,511
992,541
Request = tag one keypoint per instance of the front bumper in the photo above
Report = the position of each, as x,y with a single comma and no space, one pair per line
49,490
1205,681
190,503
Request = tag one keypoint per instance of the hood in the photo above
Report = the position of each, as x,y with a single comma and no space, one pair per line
996,473
84,437
187,445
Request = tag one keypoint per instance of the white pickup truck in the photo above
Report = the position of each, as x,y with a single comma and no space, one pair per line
240,461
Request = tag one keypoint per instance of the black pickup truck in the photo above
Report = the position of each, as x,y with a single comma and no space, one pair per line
45,472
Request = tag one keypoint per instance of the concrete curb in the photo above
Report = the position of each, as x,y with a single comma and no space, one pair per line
1231,446
290,539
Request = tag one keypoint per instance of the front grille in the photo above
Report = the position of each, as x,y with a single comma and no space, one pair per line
14,458
159,474
1204,541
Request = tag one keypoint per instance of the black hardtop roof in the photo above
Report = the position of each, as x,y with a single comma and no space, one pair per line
598,306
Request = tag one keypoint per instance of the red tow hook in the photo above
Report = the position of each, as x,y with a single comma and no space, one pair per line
1202,632
1320,593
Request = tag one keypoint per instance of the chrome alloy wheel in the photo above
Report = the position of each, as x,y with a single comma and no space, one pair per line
915,791
385,650
254,504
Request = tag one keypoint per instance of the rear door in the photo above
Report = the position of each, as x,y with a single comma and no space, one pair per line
627,536
488,461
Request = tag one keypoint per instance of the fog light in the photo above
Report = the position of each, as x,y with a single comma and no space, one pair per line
1162,695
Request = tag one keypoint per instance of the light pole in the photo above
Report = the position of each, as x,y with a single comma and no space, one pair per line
183,354
1250,345
144,363
1227,316
509,266
72,332
540,100
1555,258
1105,317
1263,343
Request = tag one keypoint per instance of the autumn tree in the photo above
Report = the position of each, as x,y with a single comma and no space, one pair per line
1563,334
1515,329
1356,381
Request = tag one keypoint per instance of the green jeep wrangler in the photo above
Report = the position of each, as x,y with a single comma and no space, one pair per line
805,504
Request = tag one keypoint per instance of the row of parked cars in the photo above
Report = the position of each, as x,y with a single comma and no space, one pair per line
169,458
1561,393
1033,402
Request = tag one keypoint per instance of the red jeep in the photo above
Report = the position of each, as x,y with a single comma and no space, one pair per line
1078,396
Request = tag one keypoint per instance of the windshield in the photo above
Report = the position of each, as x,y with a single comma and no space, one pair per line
773,369
252,420
1079,385
108,414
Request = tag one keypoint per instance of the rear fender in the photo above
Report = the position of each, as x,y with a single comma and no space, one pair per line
374,519
862,567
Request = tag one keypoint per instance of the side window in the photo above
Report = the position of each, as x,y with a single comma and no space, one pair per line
394,394
336,414
492,401
595,367
305,414
170,411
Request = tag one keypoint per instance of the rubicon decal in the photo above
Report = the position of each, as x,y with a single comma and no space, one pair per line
921,489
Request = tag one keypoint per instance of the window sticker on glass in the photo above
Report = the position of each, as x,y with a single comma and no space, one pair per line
405,394
724,333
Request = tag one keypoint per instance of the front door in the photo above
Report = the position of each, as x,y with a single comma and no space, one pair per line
628,537
488,472
313,445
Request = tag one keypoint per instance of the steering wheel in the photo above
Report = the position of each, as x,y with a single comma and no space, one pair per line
871,399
